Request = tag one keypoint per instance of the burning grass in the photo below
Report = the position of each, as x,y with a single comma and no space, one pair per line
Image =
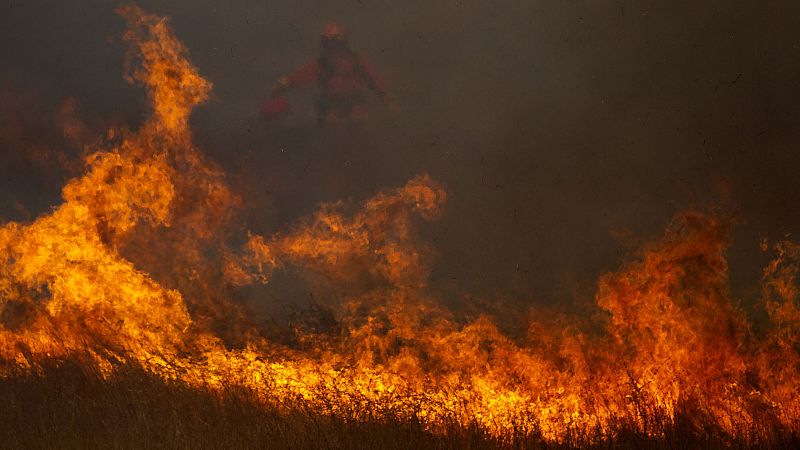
67,404
70,405
132,276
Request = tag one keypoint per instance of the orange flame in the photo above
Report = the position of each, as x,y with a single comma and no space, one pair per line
134,265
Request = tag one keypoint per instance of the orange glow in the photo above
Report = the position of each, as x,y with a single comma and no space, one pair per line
134,266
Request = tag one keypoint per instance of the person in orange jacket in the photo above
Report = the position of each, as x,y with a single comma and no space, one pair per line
342,78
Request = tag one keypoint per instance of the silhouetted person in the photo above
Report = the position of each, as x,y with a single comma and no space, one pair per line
342,78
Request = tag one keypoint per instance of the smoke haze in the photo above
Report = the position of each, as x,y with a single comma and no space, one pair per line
563,131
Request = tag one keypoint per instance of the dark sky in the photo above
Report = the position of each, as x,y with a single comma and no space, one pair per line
557,126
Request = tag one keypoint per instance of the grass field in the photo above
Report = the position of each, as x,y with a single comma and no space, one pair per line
67,405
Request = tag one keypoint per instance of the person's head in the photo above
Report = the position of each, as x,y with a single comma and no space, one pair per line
334,35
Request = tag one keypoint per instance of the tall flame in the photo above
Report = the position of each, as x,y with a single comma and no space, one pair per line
135,265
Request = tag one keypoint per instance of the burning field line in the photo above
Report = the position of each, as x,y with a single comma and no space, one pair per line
75,285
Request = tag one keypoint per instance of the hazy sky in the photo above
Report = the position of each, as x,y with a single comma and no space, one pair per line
557,126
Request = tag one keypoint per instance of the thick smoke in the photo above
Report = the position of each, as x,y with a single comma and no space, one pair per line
552,124
140,259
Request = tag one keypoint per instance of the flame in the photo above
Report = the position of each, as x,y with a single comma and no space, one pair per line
135,265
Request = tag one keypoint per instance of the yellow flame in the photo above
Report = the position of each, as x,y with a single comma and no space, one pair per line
120,271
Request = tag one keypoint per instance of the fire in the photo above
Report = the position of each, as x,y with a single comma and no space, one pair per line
136,265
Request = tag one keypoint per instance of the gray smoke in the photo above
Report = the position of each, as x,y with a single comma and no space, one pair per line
559,128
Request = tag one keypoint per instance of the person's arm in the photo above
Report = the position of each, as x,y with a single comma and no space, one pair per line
376,84
374,81
306,76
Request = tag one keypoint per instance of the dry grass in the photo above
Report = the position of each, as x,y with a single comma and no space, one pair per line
67,406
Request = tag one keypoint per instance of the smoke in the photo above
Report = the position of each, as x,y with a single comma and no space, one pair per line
141,259
553,126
